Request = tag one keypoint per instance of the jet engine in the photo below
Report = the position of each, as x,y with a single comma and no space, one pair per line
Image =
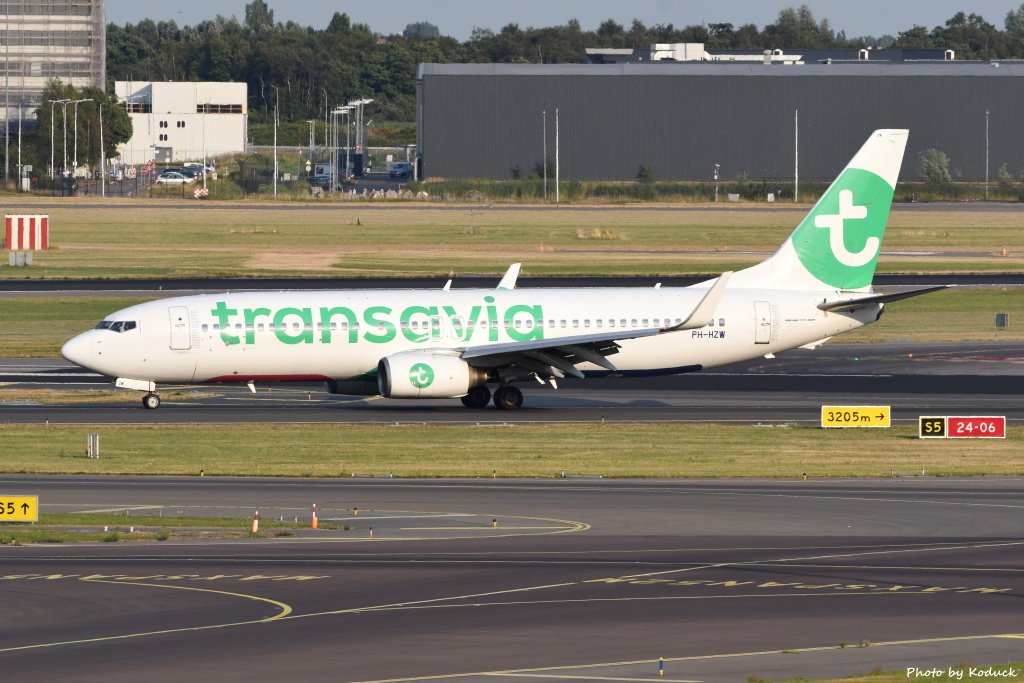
426,374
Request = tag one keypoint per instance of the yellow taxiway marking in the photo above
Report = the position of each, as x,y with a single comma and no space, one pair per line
119,509
285,611
483,527
564,677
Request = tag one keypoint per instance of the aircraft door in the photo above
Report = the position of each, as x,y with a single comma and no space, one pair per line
762,322
181,328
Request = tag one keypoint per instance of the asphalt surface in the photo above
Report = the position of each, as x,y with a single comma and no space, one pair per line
179,286
580,580
913,378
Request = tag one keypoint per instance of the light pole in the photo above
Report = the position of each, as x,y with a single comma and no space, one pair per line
544,135
277,104
63,104
986,155
716,183
76,103
103,158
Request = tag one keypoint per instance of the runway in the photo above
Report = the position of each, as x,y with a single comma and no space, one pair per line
579,580
915,379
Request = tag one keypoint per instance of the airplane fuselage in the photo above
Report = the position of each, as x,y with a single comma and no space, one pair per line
341,335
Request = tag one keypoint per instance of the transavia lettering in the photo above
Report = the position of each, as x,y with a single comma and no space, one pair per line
379,324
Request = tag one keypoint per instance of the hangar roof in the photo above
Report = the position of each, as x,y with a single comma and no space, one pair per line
944,68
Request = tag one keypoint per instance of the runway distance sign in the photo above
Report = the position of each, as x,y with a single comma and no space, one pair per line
19,508
856,416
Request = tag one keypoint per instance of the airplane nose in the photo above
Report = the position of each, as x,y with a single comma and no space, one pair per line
78,350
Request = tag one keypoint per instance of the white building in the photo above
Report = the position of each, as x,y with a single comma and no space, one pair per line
44,39
178,122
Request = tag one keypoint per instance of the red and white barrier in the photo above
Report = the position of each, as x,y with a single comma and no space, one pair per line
26,233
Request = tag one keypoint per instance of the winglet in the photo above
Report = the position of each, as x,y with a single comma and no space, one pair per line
508,280
704,312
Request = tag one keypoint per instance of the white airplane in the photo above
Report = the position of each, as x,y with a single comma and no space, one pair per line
449,343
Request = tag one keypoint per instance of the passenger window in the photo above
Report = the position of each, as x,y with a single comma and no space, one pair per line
598,321
205,328
622,323
575,323
586,322
721,322
645,322
562,323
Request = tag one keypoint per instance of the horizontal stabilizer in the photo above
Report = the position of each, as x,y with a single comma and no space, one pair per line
849,304
704,312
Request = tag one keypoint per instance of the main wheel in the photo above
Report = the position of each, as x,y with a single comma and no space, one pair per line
478,397
151,401
508,398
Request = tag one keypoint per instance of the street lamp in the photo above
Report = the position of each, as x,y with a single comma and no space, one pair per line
76,103
63,104
716,183
277,105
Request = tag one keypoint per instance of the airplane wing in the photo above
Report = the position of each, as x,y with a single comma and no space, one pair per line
558,357
850,304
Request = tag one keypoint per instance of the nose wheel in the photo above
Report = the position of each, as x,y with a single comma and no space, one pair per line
151,401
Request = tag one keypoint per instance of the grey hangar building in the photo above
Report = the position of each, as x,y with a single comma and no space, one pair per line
681,119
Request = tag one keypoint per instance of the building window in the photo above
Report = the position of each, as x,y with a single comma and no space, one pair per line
206,108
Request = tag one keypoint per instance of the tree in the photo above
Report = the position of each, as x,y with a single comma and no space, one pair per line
421,29
935,167
258,17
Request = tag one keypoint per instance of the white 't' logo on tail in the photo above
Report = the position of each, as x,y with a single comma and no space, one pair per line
834,223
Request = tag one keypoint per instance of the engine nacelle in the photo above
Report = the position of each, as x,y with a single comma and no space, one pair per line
352,387
426,374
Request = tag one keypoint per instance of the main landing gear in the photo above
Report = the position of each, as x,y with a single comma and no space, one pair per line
478,397
151,401
507,397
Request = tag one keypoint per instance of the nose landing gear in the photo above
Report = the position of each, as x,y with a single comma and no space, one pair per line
151,401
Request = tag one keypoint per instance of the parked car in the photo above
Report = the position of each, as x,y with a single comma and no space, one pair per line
402,169
172,178
199,168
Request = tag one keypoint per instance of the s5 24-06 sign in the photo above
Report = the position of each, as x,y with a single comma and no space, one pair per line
990,427
855,416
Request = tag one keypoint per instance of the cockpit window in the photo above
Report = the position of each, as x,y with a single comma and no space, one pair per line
116,326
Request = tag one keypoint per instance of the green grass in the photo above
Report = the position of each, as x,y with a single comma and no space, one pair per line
89,527
165,238
654,450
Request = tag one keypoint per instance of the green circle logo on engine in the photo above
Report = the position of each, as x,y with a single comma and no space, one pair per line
421,375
